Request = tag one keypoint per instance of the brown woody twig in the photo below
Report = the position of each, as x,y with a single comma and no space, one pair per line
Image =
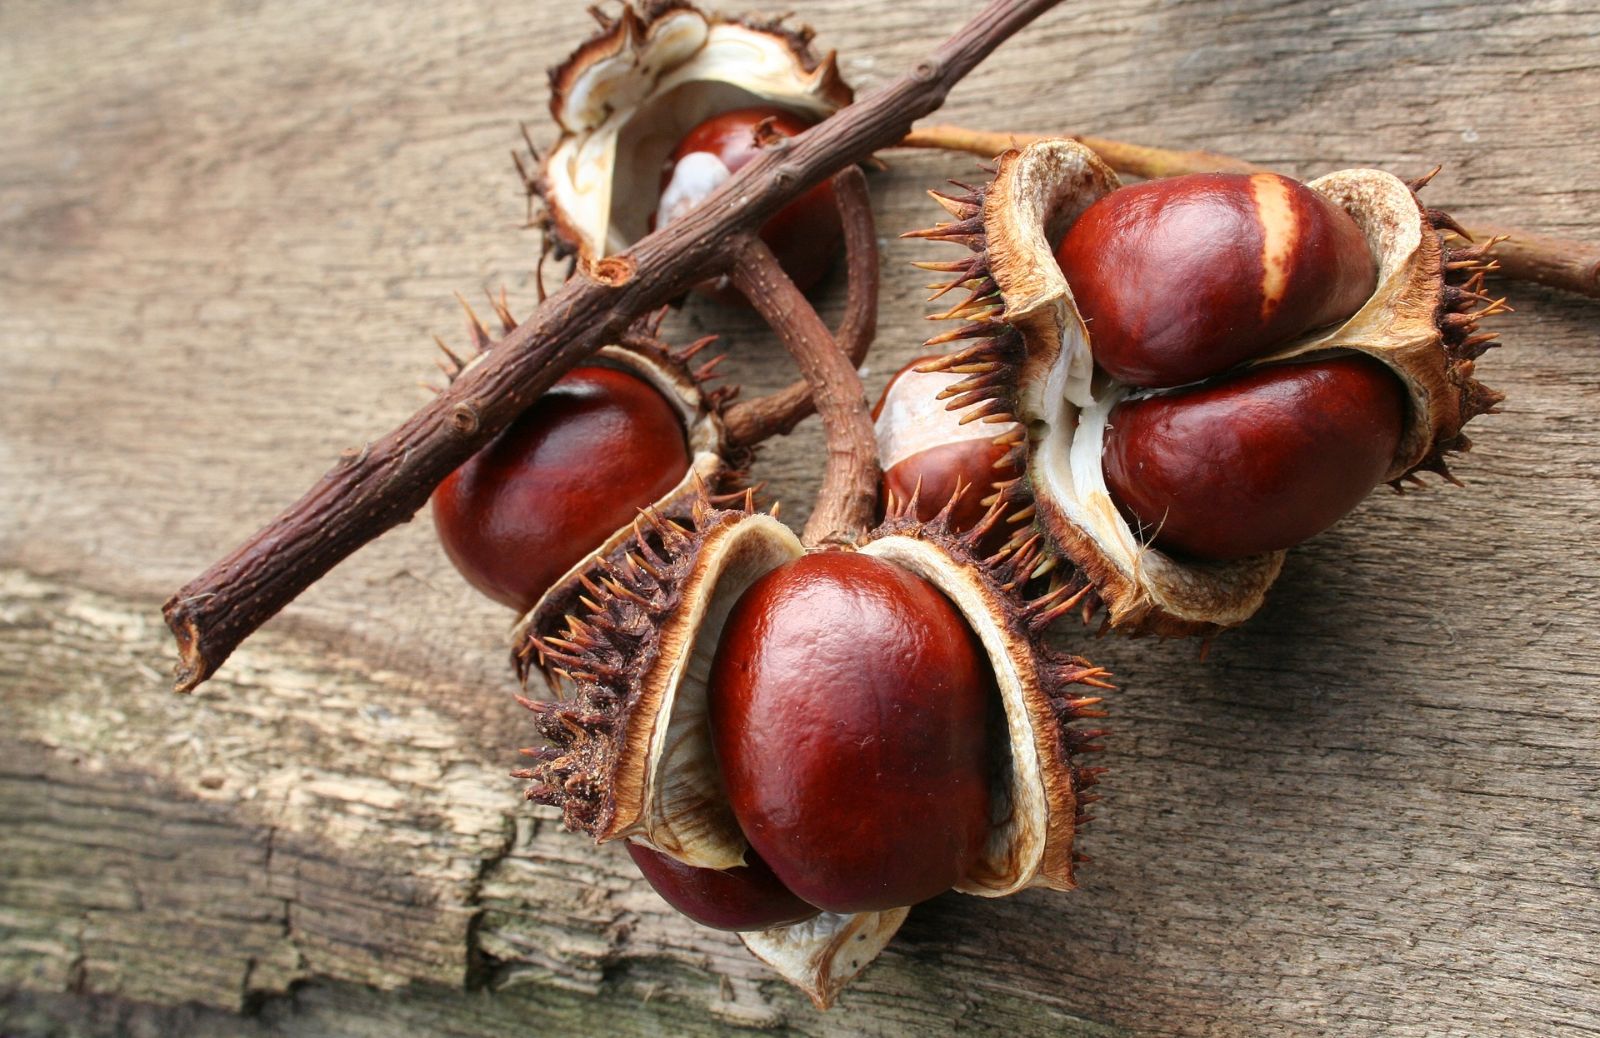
1134,159
850,482
1567,265
388,480
749,422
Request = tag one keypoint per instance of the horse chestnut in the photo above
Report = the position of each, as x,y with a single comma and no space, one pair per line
849,705
925,451
573,469
1183,278
804,235
1254,463
746,898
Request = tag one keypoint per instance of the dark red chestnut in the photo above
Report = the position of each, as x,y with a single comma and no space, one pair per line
922,444
747,898
572,470
804,235
849,710
1183,278
1257,462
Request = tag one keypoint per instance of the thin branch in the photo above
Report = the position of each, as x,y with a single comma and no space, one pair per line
1568,265
388,480
750,422
1135,159
849,491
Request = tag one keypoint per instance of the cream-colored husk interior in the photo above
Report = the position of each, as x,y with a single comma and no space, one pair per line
824,953
704,432
1033,202
683,809
625,112
1032,809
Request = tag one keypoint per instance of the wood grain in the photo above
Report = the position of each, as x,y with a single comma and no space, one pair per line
227,233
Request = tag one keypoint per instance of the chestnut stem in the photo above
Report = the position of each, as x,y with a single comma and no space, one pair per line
1567,265
389,479
849,491
1136,159
751,421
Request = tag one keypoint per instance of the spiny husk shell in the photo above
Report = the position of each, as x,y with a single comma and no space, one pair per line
631,754
712,464
631,748
824,953
628,95
1036,354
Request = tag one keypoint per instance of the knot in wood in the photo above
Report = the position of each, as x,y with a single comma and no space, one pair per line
927,71
785,175
614,271
464,419
355,455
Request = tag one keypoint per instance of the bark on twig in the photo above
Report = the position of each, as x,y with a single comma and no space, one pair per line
1568,265
386,482
849,491
749,422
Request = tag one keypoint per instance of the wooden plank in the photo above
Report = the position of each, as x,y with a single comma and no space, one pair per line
227,233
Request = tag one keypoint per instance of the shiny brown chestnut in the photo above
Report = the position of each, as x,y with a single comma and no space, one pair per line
1181,279
742,899
850,705
574,468
1257,462
805,235
928,453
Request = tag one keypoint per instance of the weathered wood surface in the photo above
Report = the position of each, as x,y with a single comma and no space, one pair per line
227,231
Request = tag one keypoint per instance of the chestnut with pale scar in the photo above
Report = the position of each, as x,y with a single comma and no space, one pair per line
805,234
928,454
1181,279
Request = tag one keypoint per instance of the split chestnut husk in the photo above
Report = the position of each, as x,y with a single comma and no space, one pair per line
631,93
632,753
1032,361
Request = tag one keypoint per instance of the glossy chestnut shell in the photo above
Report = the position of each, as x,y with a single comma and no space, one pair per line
1257,462
746,898
926,452
574,468
805,235
850,705
1183,278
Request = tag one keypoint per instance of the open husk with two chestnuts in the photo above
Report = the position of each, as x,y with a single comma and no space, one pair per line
1037,345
